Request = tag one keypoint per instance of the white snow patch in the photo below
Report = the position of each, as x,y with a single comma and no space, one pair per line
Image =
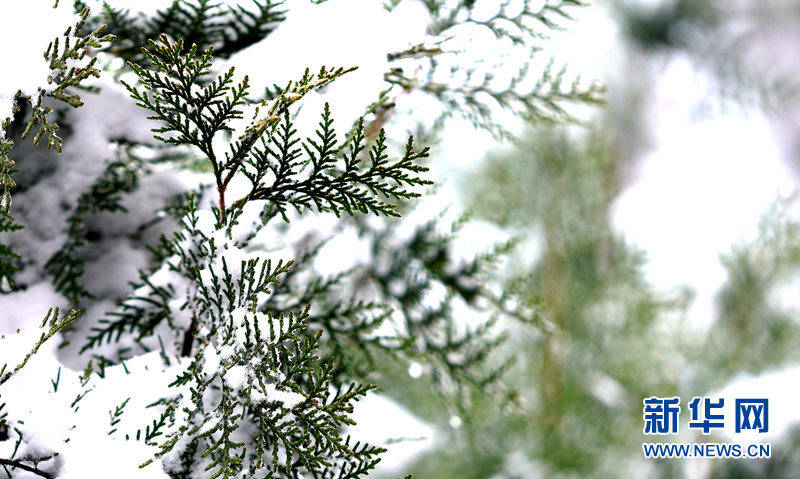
382,422
236,377
702,188
271,393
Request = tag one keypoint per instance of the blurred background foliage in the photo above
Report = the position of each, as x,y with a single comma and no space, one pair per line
609,338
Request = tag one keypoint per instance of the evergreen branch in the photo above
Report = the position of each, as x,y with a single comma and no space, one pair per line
63,76
53,325
228,28
63,57
194,114
534,20
326,187
476,95
246,27
8,257
458,358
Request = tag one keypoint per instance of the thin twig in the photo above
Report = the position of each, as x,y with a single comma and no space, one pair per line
19,465
188,338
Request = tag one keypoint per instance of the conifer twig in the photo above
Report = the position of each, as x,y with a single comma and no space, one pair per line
18,465
188,338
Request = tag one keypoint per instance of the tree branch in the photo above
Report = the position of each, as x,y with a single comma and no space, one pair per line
19,465
188,338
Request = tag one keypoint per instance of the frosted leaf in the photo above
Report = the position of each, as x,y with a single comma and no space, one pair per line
5,201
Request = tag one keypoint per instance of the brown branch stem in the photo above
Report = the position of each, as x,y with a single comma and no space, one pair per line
221,190
18,465
188,338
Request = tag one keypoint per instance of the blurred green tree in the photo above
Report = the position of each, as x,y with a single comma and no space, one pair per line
609,338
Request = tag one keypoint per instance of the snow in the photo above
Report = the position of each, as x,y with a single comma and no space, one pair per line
22,43
692,181
114,265
205,222
382,422
47,419
155,190
141,8
518,464
105,115
17,345
415,370
268,327
779,387
171,461
271,393
211,360
236,377
229,258
331,259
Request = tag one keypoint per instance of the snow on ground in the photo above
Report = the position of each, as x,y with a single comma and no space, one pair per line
27,308
46,416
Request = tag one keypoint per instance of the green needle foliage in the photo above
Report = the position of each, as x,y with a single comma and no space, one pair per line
460,362
195,119
579,409
8,257
262,375
228,28
66,265
59,54
273,356
332,347
755,330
